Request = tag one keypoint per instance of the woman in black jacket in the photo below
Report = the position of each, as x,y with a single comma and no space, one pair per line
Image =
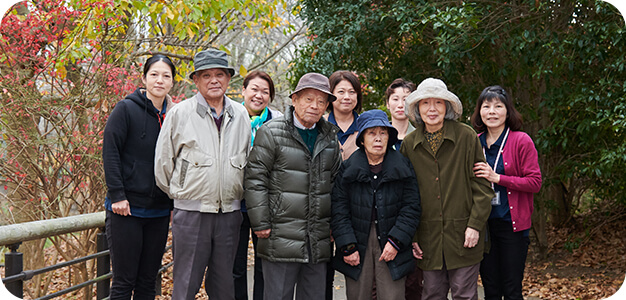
375,212
137,211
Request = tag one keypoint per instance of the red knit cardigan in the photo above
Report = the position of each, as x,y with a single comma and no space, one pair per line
522,179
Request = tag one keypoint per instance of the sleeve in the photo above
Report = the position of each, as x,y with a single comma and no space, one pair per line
166,153
257,178
336,163
528,177
480,187
411,209
340,222
404,148
114,141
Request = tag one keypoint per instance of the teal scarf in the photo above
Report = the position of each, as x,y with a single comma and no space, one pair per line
256,122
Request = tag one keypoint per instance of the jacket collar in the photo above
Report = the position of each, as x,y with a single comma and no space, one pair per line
448,133
324,129
202,108
357,167
322,125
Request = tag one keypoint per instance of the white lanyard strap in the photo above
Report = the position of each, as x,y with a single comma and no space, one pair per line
495,164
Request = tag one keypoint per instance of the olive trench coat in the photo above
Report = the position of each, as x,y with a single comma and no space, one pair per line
453,198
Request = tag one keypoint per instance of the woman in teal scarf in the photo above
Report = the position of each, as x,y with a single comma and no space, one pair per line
258,92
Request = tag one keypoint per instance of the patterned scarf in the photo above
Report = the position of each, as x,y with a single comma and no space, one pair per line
434,139
256,122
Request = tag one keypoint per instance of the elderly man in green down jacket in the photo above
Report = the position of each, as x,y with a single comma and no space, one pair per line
455,203
288,182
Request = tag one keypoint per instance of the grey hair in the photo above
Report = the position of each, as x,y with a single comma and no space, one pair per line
449,113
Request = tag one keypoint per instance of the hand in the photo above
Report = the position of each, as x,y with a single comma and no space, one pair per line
483,170
389,253
471,237
417,251
353,259
121,208
263,234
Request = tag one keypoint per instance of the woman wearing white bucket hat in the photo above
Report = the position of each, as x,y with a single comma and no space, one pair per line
449,242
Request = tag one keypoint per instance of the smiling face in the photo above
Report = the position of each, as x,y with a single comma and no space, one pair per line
493,113
256,96
375,141
158,81
346,97
432,111
212,83
395,104
309,106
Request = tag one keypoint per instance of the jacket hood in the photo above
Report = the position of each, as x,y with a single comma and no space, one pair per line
139,97
358,170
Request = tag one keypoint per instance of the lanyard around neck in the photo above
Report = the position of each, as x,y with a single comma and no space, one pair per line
495,164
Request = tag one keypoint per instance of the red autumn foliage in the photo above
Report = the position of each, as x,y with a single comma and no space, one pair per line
58,83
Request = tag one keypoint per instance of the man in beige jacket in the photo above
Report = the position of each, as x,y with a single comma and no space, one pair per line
200,158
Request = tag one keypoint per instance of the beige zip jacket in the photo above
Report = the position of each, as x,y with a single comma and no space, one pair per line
199,166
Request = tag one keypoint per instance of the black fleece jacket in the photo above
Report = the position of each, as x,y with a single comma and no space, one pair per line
130,136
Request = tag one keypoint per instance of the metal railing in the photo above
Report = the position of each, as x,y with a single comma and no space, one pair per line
13,235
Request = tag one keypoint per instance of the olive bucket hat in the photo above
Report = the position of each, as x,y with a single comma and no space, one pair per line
211,59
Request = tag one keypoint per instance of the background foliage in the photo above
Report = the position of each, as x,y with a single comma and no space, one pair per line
65,63
563,61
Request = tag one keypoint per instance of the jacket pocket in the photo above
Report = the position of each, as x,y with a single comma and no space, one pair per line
183,172
428,238
460,225
275,204
238,161
140,178
191,166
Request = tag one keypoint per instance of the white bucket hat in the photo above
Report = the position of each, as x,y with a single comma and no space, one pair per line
432,88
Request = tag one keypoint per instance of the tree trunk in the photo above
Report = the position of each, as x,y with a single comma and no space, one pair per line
539,228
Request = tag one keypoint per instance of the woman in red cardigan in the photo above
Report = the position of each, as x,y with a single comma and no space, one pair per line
513,169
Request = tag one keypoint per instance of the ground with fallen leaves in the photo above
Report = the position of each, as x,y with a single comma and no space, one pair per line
586,260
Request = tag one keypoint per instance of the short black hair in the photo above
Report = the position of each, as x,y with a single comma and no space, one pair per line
399,82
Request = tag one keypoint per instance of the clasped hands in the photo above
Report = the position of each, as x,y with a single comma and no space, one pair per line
389,253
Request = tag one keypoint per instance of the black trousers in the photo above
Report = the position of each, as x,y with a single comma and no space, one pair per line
330,274
502,270
136,246
241,264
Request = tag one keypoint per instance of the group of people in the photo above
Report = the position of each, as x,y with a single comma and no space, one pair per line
414,208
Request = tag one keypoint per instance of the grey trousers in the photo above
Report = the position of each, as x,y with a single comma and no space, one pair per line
204,241
374,270
280,279
462,283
